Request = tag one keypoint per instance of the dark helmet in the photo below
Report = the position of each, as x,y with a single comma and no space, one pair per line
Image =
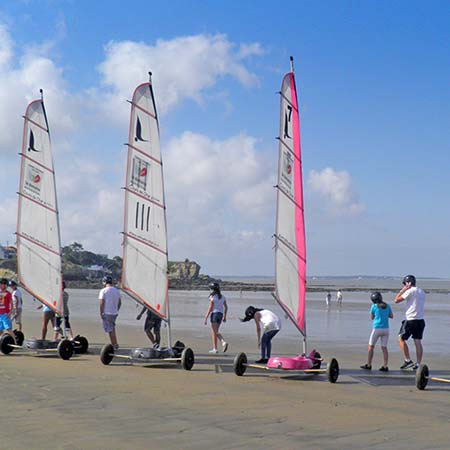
12,283
250,313
409,279
214,286
376,297
107,279
3,281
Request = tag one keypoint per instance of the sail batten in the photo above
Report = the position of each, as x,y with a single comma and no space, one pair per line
290,243
39,266
145,260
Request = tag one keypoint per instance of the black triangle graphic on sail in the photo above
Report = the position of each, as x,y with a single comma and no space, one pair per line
31,142
287,119
138,136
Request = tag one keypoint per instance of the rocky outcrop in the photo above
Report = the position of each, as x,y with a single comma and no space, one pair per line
184,270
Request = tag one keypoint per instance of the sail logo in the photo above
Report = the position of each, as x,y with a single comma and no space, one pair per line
31,147
287,166
33,180
138,133
287,122
139,173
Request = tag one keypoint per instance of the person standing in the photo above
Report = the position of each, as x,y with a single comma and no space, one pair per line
328,298
5,308
380,313
152,322
271,325
339,297
217,311
414,323
110,303
48,315
67,329
17,305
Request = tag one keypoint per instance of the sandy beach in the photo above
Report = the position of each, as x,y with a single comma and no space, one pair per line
80,404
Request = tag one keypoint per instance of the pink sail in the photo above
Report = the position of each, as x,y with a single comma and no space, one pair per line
290,242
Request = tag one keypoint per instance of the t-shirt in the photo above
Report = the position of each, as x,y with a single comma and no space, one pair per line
17,299
218,303
5,302
269,320
381,316
111,296
415,303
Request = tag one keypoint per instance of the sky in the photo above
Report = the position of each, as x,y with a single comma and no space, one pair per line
373,88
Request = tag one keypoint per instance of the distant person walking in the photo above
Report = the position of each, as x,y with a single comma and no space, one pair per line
17,305
152,323
414,323
328,299
380,313
339,297
110,303
5,308
270,324
217,311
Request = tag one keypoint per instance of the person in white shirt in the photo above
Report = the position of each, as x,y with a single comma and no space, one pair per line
271,325
414,322
339,297
17,305
217,311
110,303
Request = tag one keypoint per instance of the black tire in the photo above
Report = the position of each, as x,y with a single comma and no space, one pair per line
65,349
333,370
187,359
80,345
318,362
422,377
240,364
20,337
107,354
5,344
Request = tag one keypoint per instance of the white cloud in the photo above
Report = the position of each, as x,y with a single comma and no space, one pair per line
183,67
336,188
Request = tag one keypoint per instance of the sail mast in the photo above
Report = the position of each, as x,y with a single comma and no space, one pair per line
290,243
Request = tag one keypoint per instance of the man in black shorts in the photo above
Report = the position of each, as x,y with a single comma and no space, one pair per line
152,322
414,322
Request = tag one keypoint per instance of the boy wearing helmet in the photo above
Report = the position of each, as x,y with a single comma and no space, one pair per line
414,322
110,303
380,313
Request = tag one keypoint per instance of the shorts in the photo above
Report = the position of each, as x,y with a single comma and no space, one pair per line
18,317
5,322
412,328
152,322
58,323
216,317
109,322
382,334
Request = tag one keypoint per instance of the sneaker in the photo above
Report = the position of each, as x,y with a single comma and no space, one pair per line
407,365
384,369
262,361
416,366
366,367
224,347
116,347
213,351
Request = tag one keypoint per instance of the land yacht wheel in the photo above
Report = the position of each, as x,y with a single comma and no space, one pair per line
422,377
187,359
107,354
80,345
5,344
65,349
240,364
20,337
333,370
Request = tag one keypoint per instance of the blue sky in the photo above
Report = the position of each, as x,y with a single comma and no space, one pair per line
373,87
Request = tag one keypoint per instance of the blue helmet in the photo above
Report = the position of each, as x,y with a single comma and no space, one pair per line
107,279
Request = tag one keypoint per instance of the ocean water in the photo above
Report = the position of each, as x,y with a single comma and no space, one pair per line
348,326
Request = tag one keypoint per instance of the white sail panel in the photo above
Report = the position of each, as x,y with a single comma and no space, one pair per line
290,245
38,234
145,262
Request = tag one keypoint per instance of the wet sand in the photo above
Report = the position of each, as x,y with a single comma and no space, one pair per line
80,404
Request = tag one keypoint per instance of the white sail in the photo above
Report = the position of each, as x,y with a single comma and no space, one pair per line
290,244
145,262
38,235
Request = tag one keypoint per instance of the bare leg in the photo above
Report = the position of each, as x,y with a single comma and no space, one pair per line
113,337
404,348
419,350
385,356
370,355
215,332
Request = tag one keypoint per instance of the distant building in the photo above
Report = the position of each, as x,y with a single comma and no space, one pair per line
96,271
7,252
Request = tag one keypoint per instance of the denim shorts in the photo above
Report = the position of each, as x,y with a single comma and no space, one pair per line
216,317
109,322
5,322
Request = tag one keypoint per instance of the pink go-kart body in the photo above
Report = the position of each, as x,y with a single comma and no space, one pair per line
300,362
